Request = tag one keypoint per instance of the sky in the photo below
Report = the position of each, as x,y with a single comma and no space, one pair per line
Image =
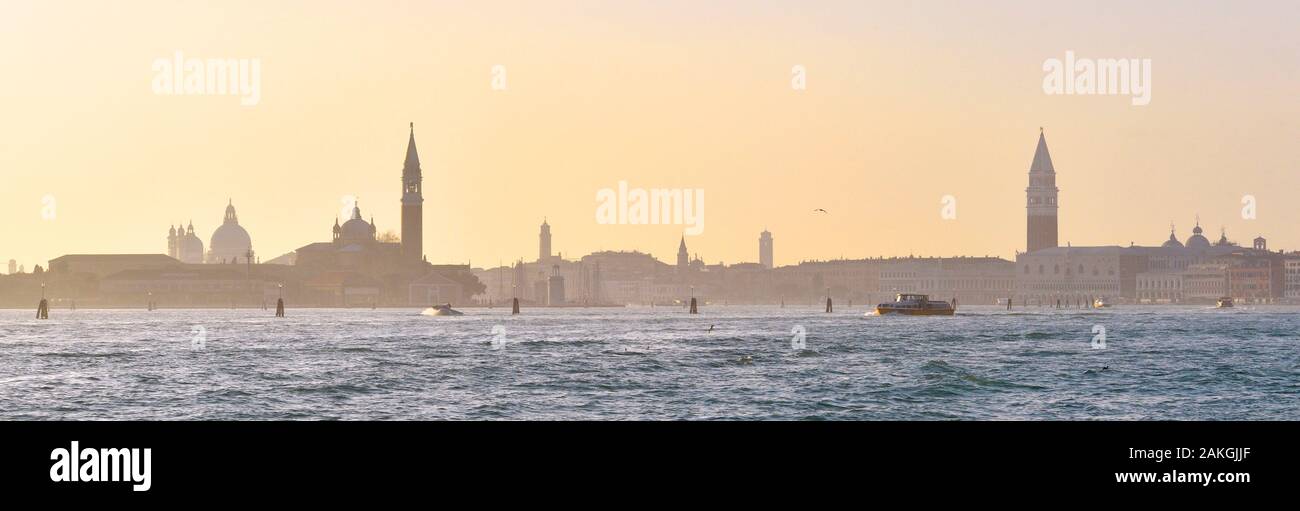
903,103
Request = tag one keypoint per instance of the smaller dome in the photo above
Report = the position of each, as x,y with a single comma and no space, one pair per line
192,243
189,247
1223,239
1172,242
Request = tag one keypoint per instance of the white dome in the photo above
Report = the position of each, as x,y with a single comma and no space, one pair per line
356,230
230,242
231,238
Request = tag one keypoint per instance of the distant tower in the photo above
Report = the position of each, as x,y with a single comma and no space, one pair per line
765,249
337,229
1041,195
412,203
13,266
171,244
556,295
683,258
544,242
1261,243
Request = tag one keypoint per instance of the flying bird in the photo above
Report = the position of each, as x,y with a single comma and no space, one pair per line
821,210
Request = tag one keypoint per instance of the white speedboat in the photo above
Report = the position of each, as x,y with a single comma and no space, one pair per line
442,310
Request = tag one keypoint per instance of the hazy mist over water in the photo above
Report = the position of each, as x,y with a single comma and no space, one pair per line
643,363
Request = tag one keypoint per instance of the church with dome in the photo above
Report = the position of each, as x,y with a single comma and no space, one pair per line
355,246
183,245
1194,271
230,242
358,267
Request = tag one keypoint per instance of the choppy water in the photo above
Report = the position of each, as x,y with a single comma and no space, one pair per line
985,363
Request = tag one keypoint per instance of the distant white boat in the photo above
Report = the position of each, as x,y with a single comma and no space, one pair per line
1100,303
911,304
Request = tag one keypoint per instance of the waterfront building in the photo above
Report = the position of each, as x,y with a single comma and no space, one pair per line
1159,287
99,266
1204,283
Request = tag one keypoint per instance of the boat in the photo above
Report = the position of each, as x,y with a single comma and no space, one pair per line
1100,303
1224,302
910,304
442,310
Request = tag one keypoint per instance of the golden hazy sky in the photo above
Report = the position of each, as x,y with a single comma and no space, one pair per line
905,102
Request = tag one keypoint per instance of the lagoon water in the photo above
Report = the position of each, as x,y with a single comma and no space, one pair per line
985,363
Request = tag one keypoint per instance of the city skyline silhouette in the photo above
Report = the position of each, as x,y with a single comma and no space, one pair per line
873,137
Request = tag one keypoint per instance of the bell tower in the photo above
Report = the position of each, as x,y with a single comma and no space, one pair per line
1041,202
544,242
412,204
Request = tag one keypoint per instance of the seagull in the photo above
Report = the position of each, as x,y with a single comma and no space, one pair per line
710,328
821,210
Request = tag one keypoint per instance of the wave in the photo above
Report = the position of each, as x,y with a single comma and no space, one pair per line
949,378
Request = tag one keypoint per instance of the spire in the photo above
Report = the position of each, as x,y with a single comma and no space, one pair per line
1042,160
412,156
681,248
356,210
